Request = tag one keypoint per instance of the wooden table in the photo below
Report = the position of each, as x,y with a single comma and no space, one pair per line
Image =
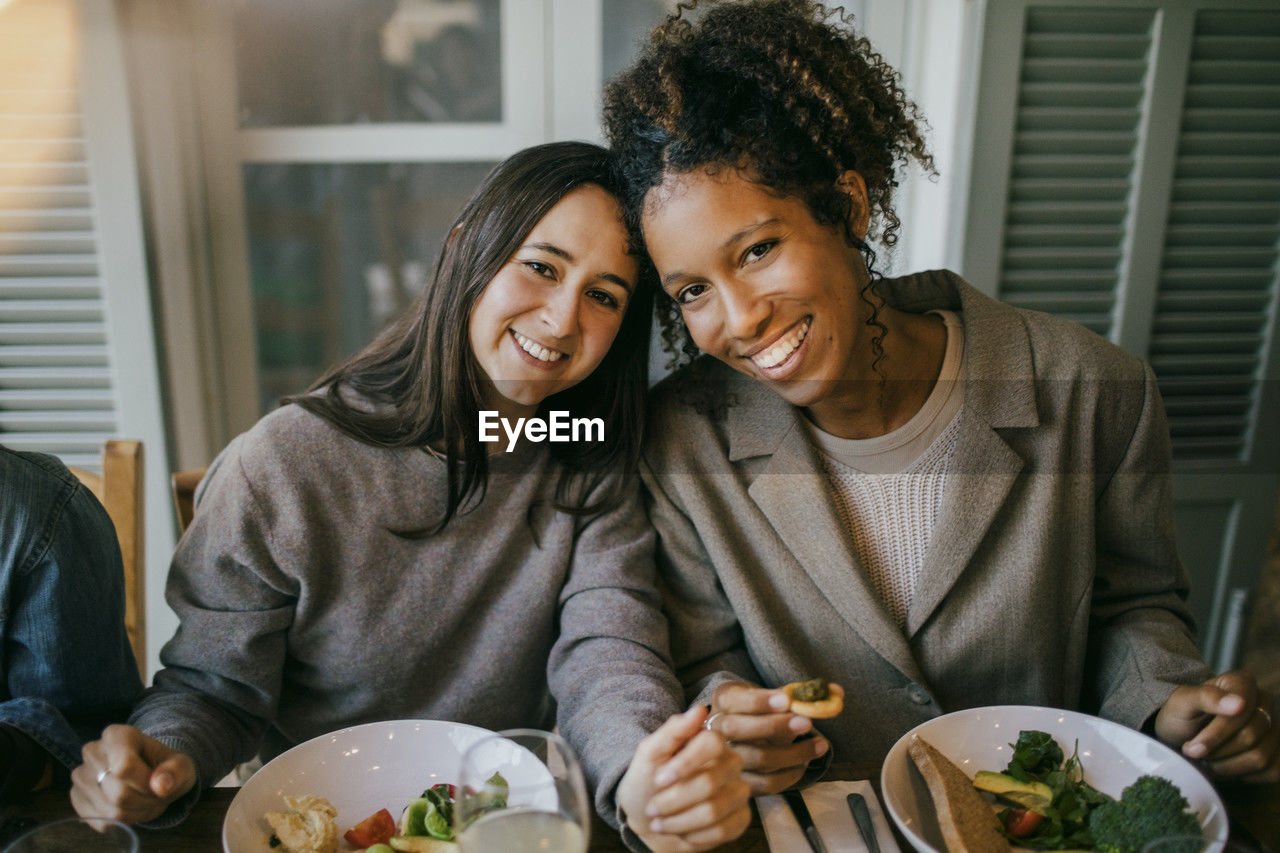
1254,809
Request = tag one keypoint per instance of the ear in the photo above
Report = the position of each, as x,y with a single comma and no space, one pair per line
860,210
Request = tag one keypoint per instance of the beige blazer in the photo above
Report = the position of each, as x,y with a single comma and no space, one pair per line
1051,578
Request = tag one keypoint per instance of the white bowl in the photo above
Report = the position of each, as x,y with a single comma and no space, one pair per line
979,739
359,769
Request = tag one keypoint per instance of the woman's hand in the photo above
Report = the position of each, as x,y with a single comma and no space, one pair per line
684,790
763,733
143,776
1227,723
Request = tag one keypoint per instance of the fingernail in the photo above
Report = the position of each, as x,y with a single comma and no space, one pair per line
164,784
664,777
779,701
820,746
651,810
655,825
799,724
1231,704
1194,750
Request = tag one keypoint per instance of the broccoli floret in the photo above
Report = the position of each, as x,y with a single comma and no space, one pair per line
1148,809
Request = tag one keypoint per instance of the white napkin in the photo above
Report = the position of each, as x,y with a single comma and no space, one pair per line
826,802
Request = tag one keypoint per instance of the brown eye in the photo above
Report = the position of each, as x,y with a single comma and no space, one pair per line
604,297
690,293
758,251
541,269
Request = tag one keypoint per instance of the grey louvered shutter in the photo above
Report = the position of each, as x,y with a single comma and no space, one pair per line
1079,115
1216,297
77,353
1126,175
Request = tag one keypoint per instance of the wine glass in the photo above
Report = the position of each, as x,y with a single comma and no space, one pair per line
521,790
77,835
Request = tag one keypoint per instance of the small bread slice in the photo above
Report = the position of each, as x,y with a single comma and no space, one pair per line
967,821
820,710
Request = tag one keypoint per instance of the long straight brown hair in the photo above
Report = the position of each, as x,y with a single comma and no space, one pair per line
422,375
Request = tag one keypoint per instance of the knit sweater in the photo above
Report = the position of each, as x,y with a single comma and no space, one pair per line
888,490
303,611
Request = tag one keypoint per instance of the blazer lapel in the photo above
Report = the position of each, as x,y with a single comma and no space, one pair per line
976,488
999,394
792,493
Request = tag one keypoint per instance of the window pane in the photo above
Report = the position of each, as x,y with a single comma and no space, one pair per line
336,251
626,23
327,62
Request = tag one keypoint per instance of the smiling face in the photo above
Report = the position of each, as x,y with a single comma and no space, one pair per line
549,316
761,284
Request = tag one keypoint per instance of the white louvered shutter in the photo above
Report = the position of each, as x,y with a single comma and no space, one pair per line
1126,175
55,384
77,353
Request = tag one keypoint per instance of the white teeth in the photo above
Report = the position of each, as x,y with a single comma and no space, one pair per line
536,349
782,350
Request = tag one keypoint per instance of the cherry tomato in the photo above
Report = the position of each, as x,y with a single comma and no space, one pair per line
377,828
1022,822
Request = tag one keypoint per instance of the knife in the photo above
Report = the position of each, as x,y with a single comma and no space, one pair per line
801,811
862,817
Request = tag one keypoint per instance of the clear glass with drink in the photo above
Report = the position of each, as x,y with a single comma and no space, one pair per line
521,790
77,835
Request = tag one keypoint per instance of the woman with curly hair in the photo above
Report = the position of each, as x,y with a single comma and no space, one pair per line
899,484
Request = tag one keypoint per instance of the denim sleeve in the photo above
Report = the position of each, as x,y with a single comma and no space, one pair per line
67,665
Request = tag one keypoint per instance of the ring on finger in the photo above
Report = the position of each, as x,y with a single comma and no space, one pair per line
707,723
1263,712
102,774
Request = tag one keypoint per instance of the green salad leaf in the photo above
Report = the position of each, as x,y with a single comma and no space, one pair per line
1079,816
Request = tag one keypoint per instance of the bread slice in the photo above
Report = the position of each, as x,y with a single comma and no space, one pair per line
967,821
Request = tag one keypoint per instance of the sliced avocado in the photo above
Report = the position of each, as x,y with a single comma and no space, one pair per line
421,845
1036,796
414,820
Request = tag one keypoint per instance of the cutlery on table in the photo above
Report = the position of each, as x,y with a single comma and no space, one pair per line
796,802
862,817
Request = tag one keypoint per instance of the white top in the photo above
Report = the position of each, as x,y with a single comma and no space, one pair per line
888,489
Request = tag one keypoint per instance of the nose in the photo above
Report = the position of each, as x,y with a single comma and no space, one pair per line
560,312
746,314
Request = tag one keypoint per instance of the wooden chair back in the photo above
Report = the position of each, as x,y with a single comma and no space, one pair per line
183,485
120,489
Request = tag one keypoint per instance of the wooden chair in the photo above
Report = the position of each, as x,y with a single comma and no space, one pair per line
120,489
183,485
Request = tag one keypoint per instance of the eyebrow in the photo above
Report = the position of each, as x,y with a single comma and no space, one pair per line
553,249
671,277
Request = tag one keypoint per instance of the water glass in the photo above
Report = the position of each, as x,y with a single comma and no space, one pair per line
77,835
521,790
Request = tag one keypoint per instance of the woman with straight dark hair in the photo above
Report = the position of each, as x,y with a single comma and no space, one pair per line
363,553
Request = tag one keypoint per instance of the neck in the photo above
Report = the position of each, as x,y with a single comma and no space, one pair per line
884,396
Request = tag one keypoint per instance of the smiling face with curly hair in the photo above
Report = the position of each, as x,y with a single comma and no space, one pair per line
783,94
765,287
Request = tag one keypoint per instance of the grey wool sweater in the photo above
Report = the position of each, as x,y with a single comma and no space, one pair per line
302,611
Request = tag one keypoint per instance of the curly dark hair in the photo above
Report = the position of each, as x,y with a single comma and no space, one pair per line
782,90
